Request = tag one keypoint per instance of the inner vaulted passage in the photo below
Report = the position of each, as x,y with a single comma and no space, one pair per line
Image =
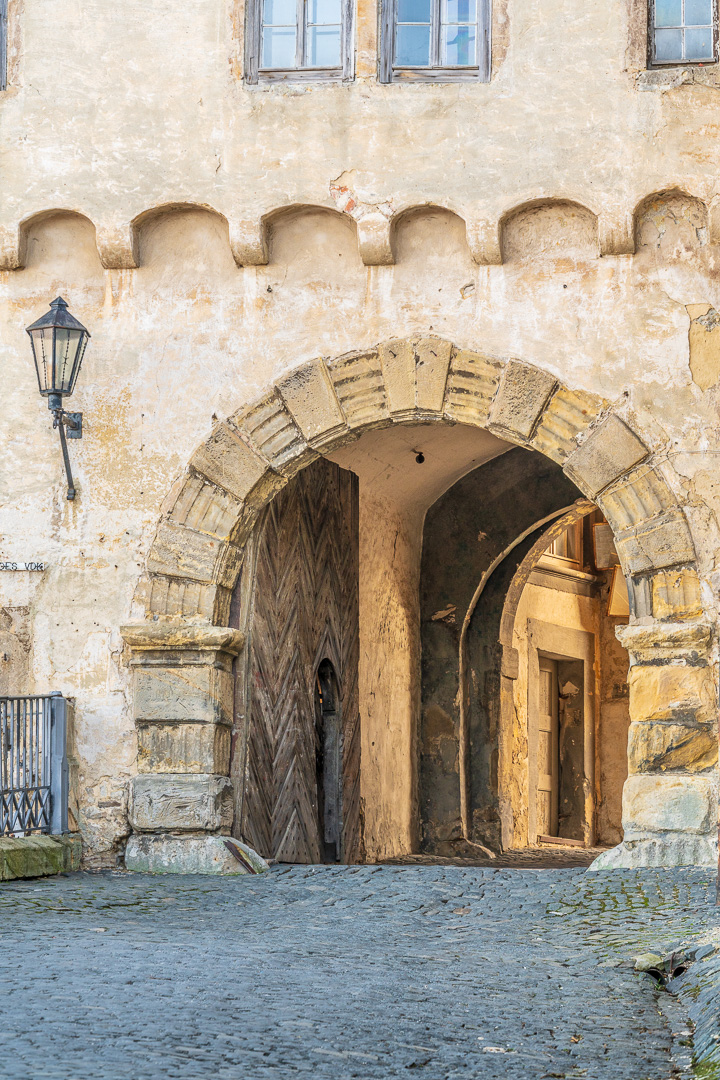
424,657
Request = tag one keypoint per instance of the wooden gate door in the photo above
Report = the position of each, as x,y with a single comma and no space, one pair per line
301,610
548,765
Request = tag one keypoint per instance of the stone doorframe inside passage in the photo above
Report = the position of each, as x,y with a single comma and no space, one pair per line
557,524
182,651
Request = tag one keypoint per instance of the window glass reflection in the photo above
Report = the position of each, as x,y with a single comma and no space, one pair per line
698,12
668,12
699,44
458,45
668,45
413,46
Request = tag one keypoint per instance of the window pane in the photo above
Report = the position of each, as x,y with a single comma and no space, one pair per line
698,44
324,11
459,11
279,12
323,46
458,45
668,45
413,11
412,46
698,12
668,13
278,49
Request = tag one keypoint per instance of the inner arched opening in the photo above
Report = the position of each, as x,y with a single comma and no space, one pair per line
387,598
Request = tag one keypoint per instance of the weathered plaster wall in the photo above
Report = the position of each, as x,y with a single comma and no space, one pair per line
546,166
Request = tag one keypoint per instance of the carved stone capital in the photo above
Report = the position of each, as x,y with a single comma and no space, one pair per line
173,636
666,642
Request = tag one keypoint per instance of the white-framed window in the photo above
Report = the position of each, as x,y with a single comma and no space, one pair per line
683,31
299,39
435,40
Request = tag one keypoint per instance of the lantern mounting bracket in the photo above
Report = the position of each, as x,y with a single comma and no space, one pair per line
73,422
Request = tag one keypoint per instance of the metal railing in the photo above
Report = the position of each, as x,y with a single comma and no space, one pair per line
33,765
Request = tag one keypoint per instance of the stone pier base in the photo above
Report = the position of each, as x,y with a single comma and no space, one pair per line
191,855
670,850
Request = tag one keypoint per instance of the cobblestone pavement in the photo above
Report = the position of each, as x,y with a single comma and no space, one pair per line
339,972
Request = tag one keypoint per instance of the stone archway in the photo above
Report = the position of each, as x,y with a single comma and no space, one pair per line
182,651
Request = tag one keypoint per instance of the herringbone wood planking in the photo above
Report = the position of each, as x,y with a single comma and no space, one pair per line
305,610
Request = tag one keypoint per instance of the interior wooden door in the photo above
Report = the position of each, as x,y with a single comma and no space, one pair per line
548,764
301,610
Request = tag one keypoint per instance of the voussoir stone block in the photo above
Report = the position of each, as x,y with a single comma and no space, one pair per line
611,450
663,541
397,360
183,747
568,415
523,393
182,552
432,363
663,746
180,802
415,375
270,427
309,396
472,382
358,382
641,495
669,803
229,462
206,508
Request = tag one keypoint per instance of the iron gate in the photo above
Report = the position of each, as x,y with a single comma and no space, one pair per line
33,765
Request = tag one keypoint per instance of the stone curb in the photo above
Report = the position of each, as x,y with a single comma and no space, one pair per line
39,856
698,991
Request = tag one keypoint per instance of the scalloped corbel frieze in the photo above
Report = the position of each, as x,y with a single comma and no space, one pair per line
483,237
117,246
248,242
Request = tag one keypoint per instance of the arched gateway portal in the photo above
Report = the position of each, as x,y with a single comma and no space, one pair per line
183,652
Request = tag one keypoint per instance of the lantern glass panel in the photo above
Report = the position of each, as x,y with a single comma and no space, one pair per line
67,348
42,354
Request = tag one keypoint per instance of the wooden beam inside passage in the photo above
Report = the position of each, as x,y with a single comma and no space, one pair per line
562,840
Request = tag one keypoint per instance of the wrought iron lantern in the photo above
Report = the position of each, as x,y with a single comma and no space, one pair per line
58,343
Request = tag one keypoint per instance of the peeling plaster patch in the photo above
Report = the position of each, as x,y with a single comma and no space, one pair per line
349,201
704,339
